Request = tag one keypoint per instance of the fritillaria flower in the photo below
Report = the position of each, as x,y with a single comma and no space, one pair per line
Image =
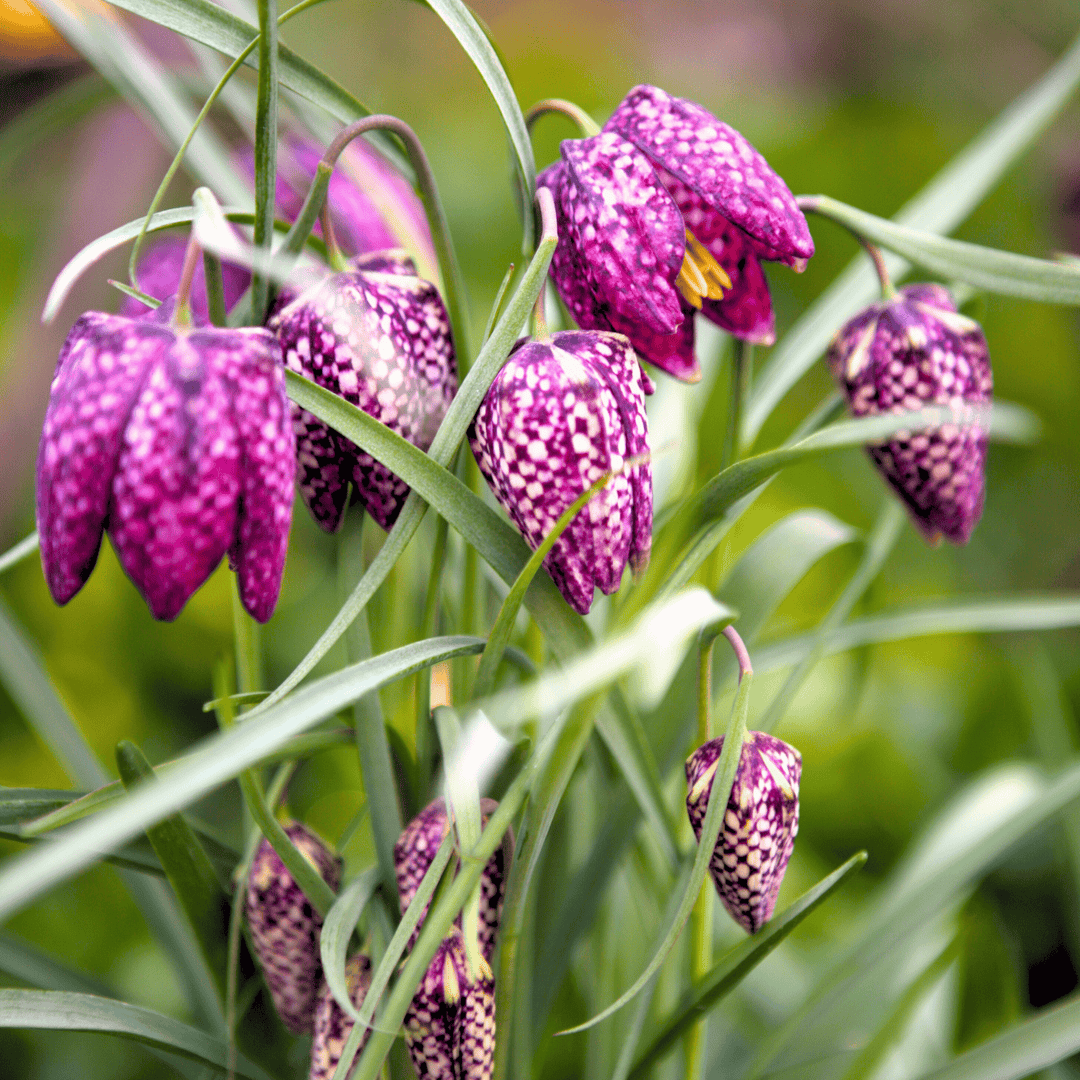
333,1025
415,851
760,822
911,352
285,927
158,275
177,442
665,212
378,336
450,1025
560,414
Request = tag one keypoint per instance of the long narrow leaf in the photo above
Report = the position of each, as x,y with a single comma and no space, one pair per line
337,929
22,550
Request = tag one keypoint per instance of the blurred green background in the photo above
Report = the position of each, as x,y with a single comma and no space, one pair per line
860,101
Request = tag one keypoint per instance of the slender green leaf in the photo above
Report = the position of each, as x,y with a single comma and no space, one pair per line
214,761
19,804
949,197
22,550
474,41
1051,1035
337,930
985,268
738,963
55,1010
720,793
266,139
959,615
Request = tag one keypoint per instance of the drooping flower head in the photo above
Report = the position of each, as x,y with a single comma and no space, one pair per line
906,354
373,207
178,443
558,416
333,1025
450,1025
158,275
760,823
415,851
665,212
285,928
378,336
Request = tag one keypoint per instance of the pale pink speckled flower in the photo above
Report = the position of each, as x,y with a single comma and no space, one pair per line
665,211
175,441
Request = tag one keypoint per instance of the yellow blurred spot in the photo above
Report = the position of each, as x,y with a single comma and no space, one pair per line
27,37
700,277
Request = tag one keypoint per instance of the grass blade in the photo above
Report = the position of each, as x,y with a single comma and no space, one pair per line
337,929
22,550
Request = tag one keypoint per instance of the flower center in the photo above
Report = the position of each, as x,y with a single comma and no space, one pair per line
700,277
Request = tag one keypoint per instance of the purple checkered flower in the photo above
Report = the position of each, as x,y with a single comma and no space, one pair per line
378,336
373,207
176,442
665,212
560,414
415,851
450,1025
760,822
333,1025
911,352
158,275
285,927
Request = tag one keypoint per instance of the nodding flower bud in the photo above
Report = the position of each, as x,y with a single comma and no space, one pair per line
178,443
450,1025
333,1025
906,354
285,928
558,416
760,822
379,337
415,851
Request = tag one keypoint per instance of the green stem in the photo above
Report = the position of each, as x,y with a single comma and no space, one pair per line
266,138
423,746
586,124
215,289
812,205
742,371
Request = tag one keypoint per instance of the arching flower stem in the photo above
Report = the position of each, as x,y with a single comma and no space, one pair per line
809,205
586,124
182,316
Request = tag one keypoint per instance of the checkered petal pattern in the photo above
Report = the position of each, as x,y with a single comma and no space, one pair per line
450,1025
909,353
333,1025
625,199
760,822
559,415
285,927
379,337
178,443
415,851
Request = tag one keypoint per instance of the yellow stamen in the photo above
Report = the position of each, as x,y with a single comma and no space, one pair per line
700,277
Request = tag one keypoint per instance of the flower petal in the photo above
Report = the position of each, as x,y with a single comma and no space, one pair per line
718,163
174,496
103,365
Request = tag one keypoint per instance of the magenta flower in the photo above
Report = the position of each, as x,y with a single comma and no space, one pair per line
909,353
178,443
450,1024
378,336
558,416
760,823
415,851
285,928
158,275
667,211
333,1025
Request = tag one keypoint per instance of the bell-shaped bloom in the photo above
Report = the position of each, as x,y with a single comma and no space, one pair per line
450,1025
373,207
415,851
378,336
908,353
333,1025
285,928
558,416
760,823
665,212
178,443
158,275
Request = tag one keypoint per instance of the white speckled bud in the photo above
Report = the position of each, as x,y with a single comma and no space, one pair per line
760,822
